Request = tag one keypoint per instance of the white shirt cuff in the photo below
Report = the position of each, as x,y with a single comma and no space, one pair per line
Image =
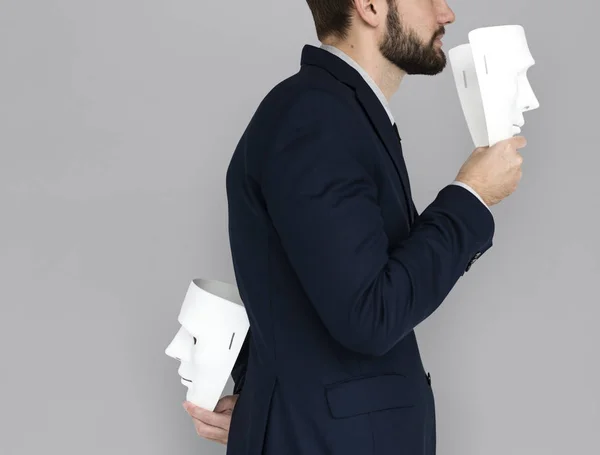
467,187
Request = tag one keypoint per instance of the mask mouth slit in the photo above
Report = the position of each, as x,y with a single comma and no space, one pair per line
185,379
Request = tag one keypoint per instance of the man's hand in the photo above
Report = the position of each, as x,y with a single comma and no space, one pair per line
213,425
494,172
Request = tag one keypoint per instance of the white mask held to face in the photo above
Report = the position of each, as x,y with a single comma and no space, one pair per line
490,73
214,325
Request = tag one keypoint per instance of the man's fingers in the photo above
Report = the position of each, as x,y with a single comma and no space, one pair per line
519,142
226,403
519,159
210,432
208,417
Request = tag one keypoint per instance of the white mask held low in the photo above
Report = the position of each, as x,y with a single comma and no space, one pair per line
490,73
214,325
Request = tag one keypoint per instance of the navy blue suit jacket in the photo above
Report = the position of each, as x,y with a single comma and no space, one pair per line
336,268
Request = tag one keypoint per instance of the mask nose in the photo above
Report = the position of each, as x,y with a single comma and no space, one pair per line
533,104
519,120
528,101
179,347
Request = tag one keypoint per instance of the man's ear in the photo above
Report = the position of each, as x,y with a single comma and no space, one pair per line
371,12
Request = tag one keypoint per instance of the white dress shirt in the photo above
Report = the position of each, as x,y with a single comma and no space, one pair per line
384,101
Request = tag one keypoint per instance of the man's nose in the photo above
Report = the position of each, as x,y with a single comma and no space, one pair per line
445,13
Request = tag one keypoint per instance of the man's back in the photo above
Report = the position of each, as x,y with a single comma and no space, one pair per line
336,269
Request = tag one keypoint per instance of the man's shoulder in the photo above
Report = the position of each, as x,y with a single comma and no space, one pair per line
311,91
307,106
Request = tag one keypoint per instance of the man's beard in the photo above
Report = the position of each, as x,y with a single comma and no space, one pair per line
404,49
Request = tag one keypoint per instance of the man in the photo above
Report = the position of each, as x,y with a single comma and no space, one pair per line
334,264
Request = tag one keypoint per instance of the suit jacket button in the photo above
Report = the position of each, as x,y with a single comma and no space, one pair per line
472,261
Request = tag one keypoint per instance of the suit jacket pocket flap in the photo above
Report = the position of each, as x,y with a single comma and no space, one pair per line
362,395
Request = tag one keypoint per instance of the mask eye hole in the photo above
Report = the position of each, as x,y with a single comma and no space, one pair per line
195,341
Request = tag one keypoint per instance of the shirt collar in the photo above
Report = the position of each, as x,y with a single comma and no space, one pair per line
369,80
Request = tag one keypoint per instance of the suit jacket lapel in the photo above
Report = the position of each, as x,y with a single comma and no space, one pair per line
411,203
391,140
376,113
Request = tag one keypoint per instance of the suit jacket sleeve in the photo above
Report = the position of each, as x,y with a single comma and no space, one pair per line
323,203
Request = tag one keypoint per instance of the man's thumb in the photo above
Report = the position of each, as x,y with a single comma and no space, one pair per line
519,142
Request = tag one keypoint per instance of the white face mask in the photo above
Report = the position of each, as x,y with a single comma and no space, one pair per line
214,324
490,73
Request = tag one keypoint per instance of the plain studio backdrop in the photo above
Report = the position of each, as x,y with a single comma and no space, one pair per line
118,121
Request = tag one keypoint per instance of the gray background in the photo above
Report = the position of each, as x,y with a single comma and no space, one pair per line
118,120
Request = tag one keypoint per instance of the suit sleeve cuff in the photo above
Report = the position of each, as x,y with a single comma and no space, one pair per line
466,204
471,190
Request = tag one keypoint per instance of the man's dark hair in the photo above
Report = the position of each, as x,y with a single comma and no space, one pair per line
332,17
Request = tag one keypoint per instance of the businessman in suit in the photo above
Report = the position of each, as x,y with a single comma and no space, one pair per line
333,262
